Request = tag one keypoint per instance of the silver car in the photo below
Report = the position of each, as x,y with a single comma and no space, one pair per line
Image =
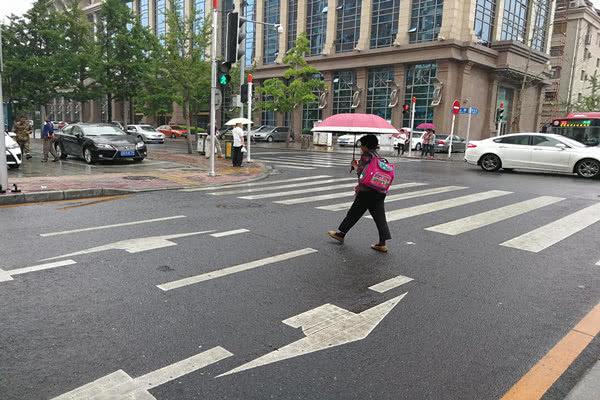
146,133
442,143
272,133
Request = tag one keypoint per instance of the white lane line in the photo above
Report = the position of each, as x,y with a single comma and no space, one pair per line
397,197
229,233
120,386
442,205
554,232
299,191
598,263
311,199
296,164
491,217
292,166
7,275
95,228
390,284
253,184
233,270
290,186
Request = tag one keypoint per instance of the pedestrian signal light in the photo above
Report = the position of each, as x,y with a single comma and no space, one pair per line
224,78
405,108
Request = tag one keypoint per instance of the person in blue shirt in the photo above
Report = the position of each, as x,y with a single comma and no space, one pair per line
48,141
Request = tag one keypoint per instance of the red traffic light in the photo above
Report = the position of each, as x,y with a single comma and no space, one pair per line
405,108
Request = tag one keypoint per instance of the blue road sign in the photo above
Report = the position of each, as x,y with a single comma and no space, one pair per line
465,110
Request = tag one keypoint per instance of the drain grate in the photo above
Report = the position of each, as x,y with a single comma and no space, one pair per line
140,178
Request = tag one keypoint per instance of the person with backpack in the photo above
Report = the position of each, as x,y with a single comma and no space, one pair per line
375,176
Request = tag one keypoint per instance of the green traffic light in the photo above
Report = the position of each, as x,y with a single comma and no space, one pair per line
224,79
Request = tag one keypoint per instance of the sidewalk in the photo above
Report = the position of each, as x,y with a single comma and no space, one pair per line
588,388
73,178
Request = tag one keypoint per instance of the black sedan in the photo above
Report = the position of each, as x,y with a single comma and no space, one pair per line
97,142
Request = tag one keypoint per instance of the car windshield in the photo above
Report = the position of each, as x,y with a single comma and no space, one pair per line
147,128
438,136
102,130
265,128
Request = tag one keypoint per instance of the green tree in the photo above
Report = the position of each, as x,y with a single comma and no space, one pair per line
189,71
156,96
297,87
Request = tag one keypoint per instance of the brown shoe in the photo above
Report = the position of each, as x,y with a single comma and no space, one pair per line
336,236
380,248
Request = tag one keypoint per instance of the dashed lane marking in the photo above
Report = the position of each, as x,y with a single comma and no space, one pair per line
95,228
7,275
229,233
390,284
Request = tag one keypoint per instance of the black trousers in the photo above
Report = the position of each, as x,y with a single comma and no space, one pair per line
236,156
374,202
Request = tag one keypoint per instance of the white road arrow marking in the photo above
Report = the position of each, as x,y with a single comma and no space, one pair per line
8,275
325,327
134,245
120,386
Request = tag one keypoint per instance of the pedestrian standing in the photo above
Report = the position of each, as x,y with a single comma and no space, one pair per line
401,142
23,131
365,199
428,147
218,149
48,141
238,144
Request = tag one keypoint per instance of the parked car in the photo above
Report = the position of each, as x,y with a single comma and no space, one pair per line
14,157
146,133
535,151
442,143
118,124
173,131
96,142
416,140
272,133
352,139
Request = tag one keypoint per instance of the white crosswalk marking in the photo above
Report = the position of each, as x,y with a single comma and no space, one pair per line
299,191
292,163
493,216
302,161
390,284
320,159
279,165
229,233
253,184
427,208
397,197
552,233
290,186
311,199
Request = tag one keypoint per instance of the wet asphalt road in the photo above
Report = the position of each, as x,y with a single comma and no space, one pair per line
475,317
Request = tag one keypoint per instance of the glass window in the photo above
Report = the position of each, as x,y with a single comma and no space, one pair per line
522,140
551,96
250,31
557,51
540,28
199,15
271,37
292,24
378,92
343,82
311,113
384,22
514,20
348,25
316,22
144,12
485,14
544,141
426,20
556,70
419,84
268,117
160,25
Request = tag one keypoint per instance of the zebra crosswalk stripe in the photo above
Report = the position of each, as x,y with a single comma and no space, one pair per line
290,186
253,184
296,164
427,208
476,221
311,199
397,197
554,232
280,165
300,191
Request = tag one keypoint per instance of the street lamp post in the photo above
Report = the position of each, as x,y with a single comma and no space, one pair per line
213,87
3,164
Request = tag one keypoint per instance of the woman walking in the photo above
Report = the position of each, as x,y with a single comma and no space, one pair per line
366,199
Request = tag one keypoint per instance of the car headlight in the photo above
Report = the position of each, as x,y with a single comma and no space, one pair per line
105,146
139,145
13,146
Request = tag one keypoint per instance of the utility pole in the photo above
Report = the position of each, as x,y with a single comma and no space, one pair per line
243,60
213,86
3,165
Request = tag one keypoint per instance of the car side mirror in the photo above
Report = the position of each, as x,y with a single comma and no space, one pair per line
12,134
561,146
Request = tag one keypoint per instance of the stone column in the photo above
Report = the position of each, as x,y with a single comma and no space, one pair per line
259,32
448,74
497,33
301,23
490,114
399,78
362,81
152,17
550,27
328,79
283,20
532,11
402,37
468,32
364,40
329,47
452,19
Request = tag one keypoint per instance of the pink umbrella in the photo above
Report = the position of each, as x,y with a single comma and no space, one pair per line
426,125
355,123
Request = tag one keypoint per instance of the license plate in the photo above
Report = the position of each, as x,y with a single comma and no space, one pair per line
127,153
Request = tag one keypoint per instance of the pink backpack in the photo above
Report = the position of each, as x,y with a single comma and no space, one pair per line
378,174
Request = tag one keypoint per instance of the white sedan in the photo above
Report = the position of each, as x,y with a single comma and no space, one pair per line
535,151
13,151
146,133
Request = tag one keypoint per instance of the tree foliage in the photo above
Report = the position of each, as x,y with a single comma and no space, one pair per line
299,85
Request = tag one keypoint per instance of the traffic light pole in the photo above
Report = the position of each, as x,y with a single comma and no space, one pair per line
412,125
3,164
249,114
213,87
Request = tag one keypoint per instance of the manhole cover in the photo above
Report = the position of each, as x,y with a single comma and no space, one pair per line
140,178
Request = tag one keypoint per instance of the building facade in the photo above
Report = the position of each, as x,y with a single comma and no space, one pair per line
376,55
575,56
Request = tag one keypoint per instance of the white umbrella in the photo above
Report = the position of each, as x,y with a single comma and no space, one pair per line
235,121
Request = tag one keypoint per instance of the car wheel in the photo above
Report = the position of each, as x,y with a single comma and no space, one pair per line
490,162
60,151
270,139
418,147
588,168
88,156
